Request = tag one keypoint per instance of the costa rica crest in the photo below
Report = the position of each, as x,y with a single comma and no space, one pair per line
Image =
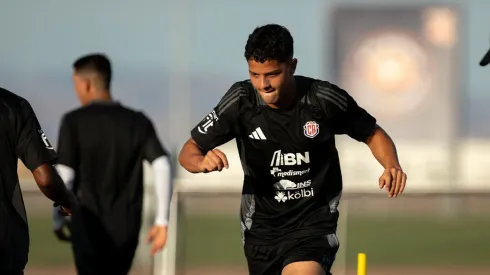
311,129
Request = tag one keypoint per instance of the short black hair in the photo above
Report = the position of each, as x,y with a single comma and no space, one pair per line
95,63
269,42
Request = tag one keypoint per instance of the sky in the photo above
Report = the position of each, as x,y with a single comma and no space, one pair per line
175,59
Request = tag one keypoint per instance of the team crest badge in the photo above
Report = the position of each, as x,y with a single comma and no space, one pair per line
311,129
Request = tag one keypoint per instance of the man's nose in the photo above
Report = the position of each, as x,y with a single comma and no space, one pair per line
265,84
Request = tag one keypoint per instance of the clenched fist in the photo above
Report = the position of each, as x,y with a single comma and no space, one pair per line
214,160
393,180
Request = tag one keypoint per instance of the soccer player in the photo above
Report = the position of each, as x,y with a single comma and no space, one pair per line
101,149
21,137
284,126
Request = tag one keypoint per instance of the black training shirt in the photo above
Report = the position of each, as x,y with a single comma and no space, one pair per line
292,182
105,144
21,137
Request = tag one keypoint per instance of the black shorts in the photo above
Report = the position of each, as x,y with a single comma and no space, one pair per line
95,250
270,260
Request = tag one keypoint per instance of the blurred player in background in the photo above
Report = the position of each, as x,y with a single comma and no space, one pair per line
101,149
486,59
21,137
285,127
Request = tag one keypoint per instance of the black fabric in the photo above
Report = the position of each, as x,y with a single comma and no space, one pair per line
292,183
271,260
94,248
105,144
21,137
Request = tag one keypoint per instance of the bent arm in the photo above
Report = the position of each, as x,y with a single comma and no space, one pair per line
190,156
383,148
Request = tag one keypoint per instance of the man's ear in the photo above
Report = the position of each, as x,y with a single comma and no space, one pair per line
294,63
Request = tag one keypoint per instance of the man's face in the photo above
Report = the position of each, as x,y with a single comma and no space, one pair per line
270,77
81,86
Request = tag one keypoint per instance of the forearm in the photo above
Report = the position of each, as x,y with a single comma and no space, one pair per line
163,188
383,149
52,186
190,156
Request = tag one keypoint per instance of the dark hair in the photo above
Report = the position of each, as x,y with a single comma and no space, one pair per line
269,42
95,63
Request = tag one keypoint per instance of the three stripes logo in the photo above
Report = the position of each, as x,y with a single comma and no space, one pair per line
257,134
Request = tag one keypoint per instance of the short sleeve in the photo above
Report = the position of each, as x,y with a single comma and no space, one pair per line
219,126
67,144
152,147
33,147
344,114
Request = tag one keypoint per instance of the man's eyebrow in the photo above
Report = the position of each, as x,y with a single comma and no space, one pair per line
268,73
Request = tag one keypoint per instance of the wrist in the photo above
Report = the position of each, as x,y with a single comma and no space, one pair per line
393,166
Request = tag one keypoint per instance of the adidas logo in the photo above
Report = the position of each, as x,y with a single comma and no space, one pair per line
257,134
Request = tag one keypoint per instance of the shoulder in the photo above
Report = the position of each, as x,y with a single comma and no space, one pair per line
237,94
71,115
328,94
320,87
115,108
13,101
134,116
239,89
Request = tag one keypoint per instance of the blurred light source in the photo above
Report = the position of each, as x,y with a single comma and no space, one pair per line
388,66
440,26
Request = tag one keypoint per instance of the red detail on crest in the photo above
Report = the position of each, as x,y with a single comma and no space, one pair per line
311,129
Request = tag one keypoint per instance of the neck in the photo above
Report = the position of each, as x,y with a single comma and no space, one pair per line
102,96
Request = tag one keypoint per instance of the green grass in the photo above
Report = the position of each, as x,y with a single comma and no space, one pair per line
393,240
396,241
427,241
45,249
212,240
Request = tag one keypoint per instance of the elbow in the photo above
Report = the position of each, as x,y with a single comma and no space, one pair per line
43,176
184,162
181,159
375,134
187,156
44,182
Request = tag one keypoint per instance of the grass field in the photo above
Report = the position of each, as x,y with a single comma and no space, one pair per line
214,240
388,241
45,249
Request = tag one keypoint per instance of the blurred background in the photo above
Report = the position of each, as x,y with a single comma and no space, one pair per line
412,64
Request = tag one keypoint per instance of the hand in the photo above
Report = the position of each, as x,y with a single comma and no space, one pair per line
214,160
61,233
158,238
61,226
65,211
393,180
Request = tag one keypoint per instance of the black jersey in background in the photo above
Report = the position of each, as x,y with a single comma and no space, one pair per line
21,137
105,144
292,182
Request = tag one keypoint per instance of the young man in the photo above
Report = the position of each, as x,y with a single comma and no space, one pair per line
21,137
101,149
284,126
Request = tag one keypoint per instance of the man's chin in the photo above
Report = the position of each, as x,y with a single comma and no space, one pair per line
269,98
